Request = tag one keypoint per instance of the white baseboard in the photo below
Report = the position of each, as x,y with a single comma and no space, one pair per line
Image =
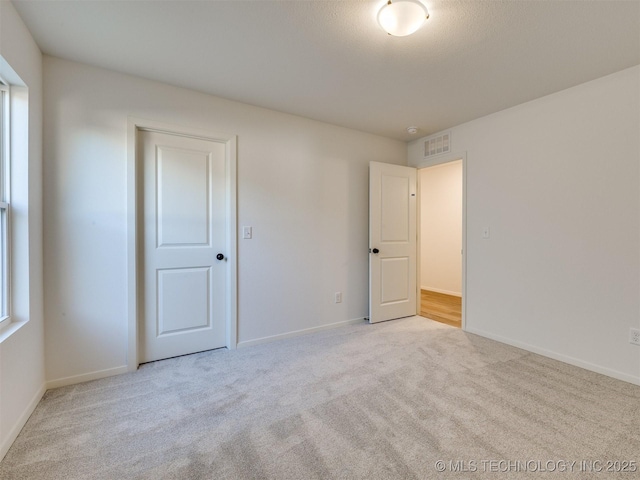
22,420
439,290
297,333
86,377
559,356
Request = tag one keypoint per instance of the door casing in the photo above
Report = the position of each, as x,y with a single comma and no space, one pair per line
134,190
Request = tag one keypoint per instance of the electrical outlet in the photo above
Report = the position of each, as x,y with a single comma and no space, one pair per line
634,336
338,297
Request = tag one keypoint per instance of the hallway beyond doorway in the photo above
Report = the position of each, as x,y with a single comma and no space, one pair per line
441,307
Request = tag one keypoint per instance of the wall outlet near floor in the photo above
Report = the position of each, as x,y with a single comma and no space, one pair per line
634,336
338,297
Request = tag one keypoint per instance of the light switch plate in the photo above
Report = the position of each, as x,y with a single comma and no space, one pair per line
247,233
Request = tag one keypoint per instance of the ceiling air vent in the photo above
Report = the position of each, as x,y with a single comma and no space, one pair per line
437,145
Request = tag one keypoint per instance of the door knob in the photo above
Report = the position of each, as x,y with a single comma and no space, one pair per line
375,251
220,256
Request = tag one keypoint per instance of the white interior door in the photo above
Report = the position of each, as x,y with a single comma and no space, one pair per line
392,241
184,275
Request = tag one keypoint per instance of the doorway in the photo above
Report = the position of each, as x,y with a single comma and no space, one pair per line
440,259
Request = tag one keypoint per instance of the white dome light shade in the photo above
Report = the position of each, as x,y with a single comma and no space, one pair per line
402,17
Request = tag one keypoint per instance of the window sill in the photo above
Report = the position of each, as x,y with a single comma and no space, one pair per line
8,328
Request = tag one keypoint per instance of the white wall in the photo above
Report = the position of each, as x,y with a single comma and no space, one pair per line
302,186
557,180
441,228
22,376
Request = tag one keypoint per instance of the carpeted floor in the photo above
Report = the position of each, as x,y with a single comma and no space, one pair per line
385,401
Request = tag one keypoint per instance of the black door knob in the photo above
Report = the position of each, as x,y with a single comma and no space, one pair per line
375,250
220,256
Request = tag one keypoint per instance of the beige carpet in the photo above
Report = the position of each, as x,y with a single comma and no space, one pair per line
386,401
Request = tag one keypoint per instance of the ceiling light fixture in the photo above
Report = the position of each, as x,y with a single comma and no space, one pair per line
402,17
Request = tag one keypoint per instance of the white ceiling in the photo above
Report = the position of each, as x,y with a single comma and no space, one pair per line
330,61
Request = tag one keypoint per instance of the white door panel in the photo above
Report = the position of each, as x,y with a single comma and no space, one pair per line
394,208
394,280
184,284
173,287
182,197
392,242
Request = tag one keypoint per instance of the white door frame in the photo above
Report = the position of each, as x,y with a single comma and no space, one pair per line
134,189
432,162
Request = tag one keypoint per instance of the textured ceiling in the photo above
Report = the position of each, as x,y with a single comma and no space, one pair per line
330,61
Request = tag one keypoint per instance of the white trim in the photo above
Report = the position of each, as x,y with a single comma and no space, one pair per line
86,377
132,246
21,421
297,333
440,290
9,328
134,125
232,243
432,162
558,356
441,159
5,204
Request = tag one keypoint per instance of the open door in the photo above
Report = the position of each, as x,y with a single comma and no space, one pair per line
392,242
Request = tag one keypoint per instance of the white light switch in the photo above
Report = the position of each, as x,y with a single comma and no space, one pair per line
486,233
247,232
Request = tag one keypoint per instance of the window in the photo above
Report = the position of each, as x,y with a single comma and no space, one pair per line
4,202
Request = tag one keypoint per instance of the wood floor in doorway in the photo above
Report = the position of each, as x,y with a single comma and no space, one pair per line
441,307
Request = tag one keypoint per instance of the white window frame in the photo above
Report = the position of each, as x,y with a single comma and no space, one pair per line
5,210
